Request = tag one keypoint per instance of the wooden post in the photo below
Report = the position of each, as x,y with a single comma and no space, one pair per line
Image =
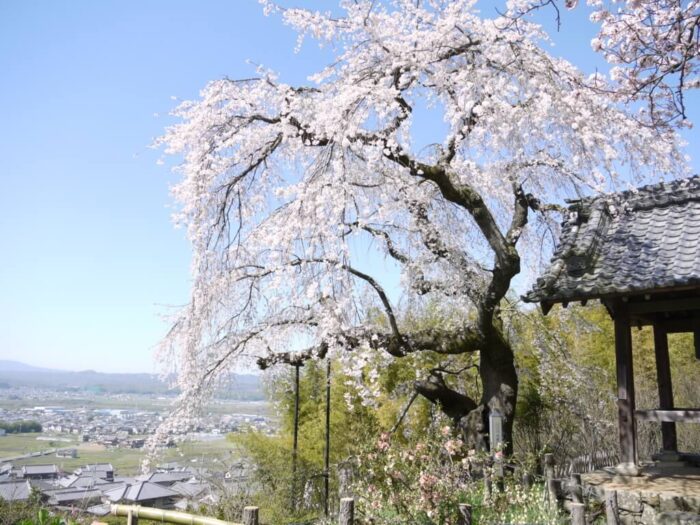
663,377
611,512
487,480
625,385
575,488
345,476
527,480
250,515
499,474
346,516
465,514
578,514
549,477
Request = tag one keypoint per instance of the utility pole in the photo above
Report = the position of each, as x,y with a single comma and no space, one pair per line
326,472
295,446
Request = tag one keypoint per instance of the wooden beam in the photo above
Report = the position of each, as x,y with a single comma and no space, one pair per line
663,377
664,305
625,385
683,415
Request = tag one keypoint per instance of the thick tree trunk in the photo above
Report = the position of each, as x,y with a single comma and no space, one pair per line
499,381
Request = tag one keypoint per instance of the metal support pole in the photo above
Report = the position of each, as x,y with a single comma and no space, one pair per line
327,452
295,446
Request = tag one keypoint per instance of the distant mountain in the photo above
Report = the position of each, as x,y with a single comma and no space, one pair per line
15,366
15,374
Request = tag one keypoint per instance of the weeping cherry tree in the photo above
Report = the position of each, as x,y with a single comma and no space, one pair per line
284,189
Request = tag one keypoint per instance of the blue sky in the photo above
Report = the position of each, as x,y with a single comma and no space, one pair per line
89,259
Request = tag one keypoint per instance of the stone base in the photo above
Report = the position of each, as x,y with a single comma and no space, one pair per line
627,469
670,456
657,496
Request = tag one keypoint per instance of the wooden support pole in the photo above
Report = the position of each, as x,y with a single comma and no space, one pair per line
575,488
549,477
250,515
625,386
663,377
611,511
578,514
346,516
465,514
488,463
487,481
527,480
499,473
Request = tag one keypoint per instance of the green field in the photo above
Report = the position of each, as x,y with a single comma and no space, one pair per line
18,444
125,461
136,402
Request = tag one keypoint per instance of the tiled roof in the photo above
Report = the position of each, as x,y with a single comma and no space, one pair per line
15,491
190,490
146,491
625,243
39,469
167,478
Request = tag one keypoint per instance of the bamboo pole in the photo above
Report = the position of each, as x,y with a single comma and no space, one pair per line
164,516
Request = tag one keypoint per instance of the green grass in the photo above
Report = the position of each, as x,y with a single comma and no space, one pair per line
138,402
126,461
17,444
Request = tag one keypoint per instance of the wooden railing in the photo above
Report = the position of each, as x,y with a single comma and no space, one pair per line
670,415
132,513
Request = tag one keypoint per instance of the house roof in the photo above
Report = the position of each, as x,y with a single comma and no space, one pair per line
146,491
63,497
15,490
190,490
39,469
167,478
633,242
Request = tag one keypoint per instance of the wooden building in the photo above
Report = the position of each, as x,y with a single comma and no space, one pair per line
638,252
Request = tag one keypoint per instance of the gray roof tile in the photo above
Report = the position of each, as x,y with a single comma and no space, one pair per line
622,243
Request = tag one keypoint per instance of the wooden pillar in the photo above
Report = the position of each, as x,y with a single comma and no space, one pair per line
346,515
465,514
250,515
663,377
625,386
